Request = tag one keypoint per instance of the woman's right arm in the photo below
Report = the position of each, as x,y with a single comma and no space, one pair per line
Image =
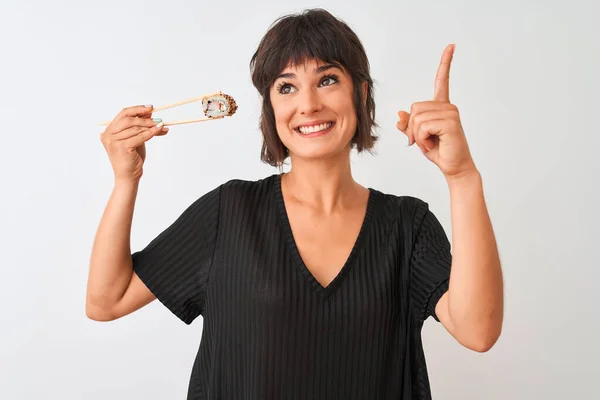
113,289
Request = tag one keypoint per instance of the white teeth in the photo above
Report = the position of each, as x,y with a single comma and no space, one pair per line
315,128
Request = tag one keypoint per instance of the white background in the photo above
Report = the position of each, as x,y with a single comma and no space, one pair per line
525,77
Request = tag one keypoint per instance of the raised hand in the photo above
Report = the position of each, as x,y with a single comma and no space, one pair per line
435,125
124,140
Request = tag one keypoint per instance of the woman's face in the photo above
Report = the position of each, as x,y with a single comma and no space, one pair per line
314,110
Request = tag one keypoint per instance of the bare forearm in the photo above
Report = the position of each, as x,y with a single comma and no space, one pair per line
475,295
110,264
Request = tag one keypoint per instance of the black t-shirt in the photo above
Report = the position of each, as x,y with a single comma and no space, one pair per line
271,330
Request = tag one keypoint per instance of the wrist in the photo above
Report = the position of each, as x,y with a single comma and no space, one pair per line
126,184
468,177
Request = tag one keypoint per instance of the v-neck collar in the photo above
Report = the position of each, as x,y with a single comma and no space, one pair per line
325,291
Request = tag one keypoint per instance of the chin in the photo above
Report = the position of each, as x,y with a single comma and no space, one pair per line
319,151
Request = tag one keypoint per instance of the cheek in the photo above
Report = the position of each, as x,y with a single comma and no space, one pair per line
346,108
343,101
283,114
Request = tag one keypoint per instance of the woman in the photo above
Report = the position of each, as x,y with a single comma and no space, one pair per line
311,286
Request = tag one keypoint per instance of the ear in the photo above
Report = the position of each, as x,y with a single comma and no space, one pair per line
365,87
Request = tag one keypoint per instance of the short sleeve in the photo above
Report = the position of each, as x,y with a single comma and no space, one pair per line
430,263
175,265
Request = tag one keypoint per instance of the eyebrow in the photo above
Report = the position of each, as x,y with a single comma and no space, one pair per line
318,70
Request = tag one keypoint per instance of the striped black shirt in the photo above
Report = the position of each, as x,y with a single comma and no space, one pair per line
271,330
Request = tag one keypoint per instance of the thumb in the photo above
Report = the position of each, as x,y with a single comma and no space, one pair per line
403,118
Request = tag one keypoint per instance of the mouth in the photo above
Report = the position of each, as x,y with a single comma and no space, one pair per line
315,129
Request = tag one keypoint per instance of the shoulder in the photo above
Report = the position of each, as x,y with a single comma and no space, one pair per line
241,189
411,215
244,185
406,212
407,208
234,190
240,196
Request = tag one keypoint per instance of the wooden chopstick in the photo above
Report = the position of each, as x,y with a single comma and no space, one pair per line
179,103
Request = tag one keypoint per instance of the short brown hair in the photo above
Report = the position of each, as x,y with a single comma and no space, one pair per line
294,39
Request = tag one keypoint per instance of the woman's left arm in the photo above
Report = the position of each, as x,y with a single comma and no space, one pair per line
472,309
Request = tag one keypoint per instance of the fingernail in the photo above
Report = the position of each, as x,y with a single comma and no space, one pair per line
156,119
159,125
148,106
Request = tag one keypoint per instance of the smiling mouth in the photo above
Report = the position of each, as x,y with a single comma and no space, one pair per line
307,130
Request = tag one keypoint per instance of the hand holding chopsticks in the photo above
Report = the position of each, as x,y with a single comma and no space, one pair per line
126,135
215,106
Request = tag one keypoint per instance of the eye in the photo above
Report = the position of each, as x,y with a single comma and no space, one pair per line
284,88
329,80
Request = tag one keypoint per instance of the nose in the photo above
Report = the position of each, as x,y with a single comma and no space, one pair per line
309,102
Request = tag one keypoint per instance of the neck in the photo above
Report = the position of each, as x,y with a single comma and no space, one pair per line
326,185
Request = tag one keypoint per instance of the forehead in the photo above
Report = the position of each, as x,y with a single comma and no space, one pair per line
308,66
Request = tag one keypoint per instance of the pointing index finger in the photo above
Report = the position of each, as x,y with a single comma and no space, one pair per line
442,79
